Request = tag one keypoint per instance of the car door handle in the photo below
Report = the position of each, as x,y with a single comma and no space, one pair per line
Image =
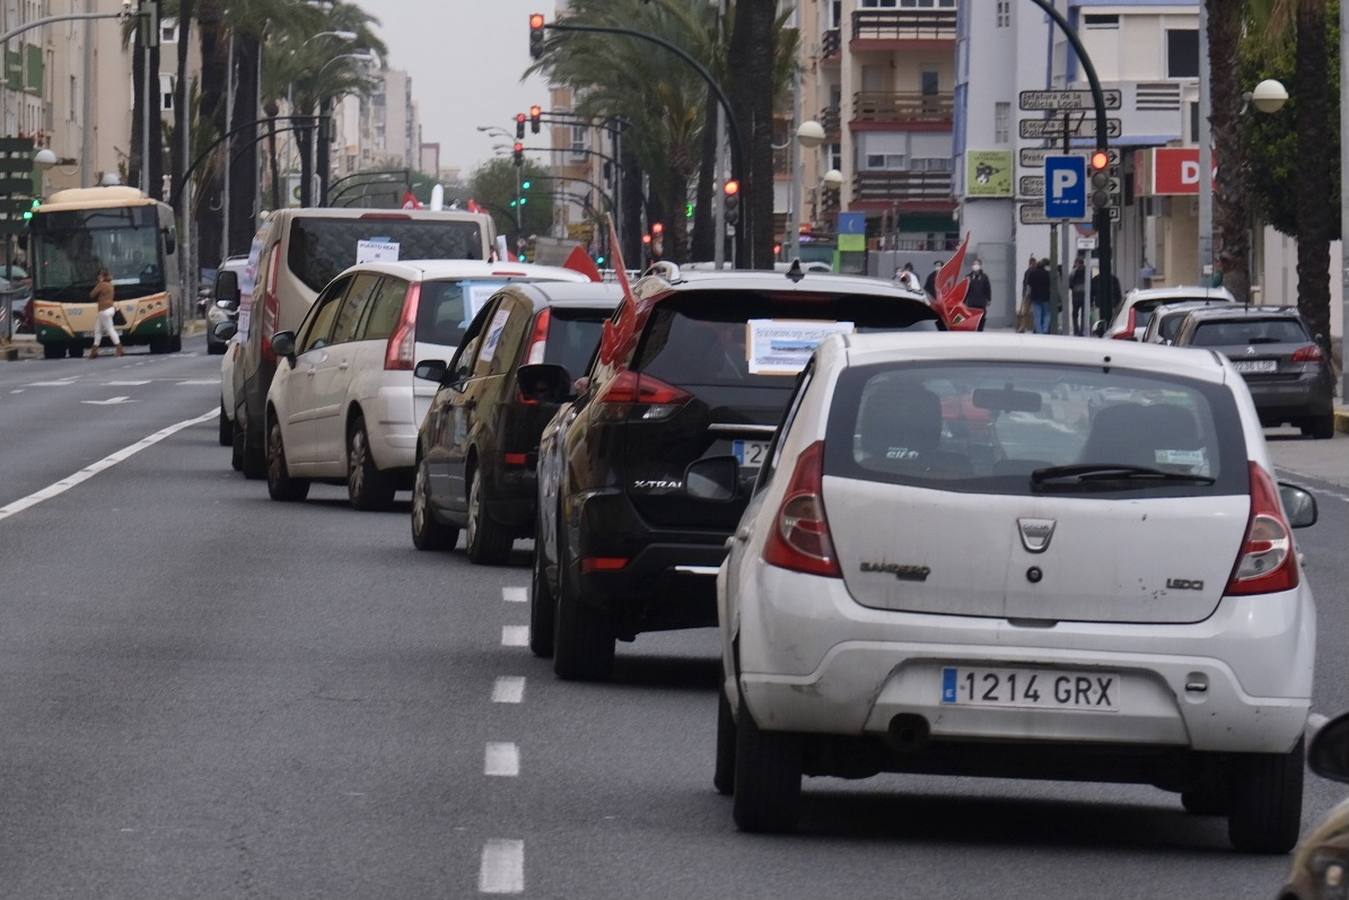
343,366
309,372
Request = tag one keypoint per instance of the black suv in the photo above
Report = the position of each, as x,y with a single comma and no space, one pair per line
694,366
1287,374
478,445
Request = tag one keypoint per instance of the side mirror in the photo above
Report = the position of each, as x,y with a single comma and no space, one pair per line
283,344
1298,504
223,331
431,370
1098,330
544,383
1328,756
170,241
715,478
229,305
227,288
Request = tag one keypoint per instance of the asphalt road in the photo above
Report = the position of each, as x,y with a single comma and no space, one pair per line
207,694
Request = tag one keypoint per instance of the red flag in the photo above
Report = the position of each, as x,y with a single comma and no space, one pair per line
474,207
950,303
614,335
579,260
410,201
947,275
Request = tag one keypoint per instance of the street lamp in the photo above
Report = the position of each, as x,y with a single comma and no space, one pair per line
833,180
811,134
1269,96
362,57
344,36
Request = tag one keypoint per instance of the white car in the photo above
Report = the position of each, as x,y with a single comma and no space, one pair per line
227,362
1131,319
1017,556
1165,321
343,405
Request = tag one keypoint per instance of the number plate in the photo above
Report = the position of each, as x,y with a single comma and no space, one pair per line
1037,688
1255,365
751,454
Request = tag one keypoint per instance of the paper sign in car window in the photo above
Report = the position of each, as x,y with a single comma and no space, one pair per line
477,293
376,251
784,346
494,330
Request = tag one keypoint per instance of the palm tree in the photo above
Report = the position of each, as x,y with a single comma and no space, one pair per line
1231,210
752,59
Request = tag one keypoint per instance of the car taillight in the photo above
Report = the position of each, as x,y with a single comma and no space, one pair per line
271,308
640,398
538,341
1130,327
1309,353
1267,562
401,351
800,538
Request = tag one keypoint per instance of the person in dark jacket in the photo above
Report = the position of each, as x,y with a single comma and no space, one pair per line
980,293
930,285
1040,285
1106,303
1077,286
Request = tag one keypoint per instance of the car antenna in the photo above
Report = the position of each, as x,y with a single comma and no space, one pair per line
794,274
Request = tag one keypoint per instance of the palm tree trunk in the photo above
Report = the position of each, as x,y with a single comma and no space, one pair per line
244,165
676,222
182,112
214,67
752,62
138,112
631,238
305,142
273,164
704,241
1314,211
324,137
155,154
1231,211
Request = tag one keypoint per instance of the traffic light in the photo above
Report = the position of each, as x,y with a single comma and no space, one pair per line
689,210
519,154
519,126
536,35
526,185
658,229
732,201
535,116
28,213
657,239
1099,164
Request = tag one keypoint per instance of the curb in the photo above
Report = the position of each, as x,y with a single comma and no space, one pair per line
1342,420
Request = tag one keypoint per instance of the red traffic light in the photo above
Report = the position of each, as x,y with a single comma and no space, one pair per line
731,188
519,147
1100,160
535,112
658,229
646,239
536,21
520,118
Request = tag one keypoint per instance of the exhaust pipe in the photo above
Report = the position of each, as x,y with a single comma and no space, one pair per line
909,733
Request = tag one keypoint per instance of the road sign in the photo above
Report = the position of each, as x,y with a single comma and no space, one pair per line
1034,186
1052,128
1034,214
1065,187
1037,101
1034,157
1086,243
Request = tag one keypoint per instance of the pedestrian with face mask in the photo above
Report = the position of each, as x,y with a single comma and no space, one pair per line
930,285
980,292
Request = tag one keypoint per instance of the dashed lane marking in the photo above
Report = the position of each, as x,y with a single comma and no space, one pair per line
107,462
64,382
124,383
515,594
501,760
200,381
509,689
515,635
17,391
503,867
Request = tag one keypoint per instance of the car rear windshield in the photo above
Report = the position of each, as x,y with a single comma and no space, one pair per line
730,340
322,248
1000,428
572,336
1249,331
1145,308
447,307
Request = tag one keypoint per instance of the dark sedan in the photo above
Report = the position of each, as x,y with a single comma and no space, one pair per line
1285,369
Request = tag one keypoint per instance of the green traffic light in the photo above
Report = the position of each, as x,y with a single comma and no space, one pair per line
688,211
513,204
599,260
524,200
527,185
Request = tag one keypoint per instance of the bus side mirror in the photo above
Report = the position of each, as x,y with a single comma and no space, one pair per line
170,241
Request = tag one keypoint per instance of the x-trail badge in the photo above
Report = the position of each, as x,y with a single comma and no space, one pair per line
1036,534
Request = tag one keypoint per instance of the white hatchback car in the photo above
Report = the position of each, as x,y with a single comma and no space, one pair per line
343,405
1131,319
1017,556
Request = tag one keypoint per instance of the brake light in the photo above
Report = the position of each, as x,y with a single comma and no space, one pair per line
640,398
538,341
516,459
1130,326
602,564
800,538
1309,353
271,307
1267,561
401,351
401,217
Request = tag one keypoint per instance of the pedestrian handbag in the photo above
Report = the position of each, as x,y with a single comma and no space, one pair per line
118,320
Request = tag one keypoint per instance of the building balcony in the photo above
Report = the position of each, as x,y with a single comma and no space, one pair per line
909,110
901,29
831,119
831,47
915,191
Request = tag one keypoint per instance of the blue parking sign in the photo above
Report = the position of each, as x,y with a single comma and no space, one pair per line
1066,187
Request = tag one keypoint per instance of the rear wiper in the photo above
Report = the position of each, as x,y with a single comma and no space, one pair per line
1093,473
1265,340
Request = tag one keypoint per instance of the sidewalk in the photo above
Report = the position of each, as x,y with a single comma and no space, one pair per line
25,346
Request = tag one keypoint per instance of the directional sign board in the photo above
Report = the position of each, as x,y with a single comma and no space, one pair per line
1061,101
1034,214
1034,186
1052,129
1065,187
1034,157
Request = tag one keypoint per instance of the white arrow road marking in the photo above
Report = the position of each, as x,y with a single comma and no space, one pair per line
111,401
107,462
503,867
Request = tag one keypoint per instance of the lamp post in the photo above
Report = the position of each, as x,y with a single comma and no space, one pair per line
1268,97
809,135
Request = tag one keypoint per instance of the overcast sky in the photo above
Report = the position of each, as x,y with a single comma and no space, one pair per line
465,58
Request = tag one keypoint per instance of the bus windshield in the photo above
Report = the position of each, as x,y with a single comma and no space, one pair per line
69,247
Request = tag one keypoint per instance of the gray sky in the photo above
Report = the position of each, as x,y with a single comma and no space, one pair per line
465,58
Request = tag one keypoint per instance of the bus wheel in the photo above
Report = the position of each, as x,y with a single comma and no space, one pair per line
74,351
176,344
53,351
159,345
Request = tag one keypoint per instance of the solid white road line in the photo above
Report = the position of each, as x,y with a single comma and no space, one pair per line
107,462
509,689
515,594
515,635
503,867
501,759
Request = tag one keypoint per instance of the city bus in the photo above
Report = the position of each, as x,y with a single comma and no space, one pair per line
76,233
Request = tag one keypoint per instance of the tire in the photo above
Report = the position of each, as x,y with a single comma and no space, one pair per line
767,777
74,351
368,488
487,542
176,344
1321,428
226,435
1266,801
542,609
1208,800
280,486
159,345
723,777
428,532
583,642
53,351
253,460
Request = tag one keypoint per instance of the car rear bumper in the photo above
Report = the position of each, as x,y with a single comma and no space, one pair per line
1277,401
392,429
812,660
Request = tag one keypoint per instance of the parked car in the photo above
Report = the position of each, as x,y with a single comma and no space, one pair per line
1134,313
1165,321
1113,595
1288,375
1321,864
295,254
478,445
344,405
223,308
16,294
697,364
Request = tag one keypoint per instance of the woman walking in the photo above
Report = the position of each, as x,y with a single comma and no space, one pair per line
103,294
